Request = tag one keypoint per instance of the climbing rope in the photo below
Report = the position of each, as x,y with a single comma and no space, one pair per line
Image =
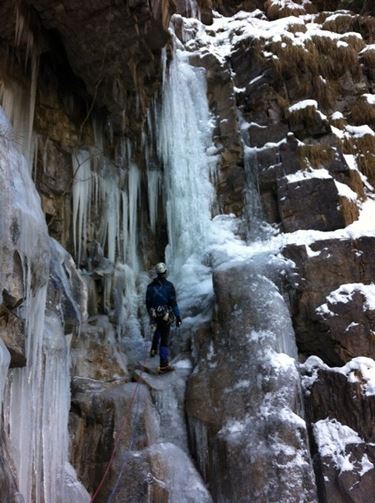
114,490
116,444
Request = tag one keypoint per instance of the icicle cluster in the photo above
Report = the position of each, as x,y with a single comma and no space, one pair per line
36,402
105,209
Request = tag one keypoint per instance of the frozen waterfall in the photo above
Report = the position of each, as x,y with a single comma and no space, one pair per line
197,242
184,141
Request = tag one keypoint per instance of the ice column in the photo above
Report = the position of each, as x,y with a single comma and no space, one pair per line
134,181
153,190
185,135
82,190
4,365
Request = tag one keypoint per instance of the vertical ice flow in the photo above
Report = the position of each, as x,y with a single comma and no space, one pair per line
134,181
186,145
185,133
4,365
153,192
82,193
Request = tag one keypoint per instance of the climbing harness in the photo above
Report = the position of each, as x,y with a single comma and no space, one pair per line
164,313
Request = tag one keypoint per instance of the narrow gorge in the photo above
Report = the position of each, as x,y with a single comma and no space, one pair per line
235,141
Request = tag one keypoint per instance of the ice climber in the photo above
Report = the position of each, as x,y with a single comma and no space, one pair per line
163,310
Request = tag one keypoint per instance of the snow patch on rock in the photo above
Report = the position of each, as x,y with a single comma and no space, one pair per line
344,294
332,439
359,370
304,175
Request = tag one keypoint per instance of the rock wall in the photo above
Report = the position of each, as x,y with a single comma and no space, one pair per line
290,86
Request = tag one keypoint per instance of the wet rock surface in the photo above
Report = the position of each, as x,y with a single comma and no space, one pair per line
12,333
315,193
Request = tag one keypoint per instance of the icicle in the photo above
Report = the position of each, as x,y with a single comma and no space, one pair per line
82,186
24,390
125,217
110,221
164,65
133,195
23,106
153,191
192,8
4,365
33,89
19,106
35,157
98,137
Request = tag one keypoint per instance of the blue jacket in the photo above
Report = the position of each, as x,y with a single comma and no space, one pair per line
161,292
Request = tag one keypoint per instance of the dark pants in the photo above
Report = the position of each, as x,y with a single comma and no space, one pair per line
160,339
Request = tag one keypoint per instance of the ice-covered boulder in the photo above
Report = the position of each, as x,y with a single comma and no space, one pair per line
243,399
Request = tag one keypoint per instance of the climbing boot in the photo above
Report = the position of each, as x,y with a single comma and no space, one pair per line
165,368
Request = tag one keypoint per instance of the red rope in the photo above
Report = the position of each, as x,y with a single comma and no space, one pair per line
117,441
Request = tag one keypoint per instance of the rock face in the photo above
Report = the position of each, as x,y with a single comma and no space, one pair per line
9,489
336,329
119,427
114,48
95,354
290,100
314,192
340,404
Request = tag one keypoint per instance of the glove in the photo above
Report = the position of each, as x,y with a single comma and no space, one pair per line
178,321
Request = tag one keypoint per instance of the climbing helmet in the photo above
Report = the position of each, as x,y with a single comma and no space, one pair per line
161,268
